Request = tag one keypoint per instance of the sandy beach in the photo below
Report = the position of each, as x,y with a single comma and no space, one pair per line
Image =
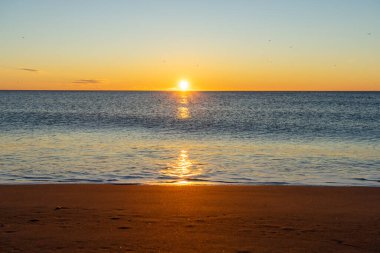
124,218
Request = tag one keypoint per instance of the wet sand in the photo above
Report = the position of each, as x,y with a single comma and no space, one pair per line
110,218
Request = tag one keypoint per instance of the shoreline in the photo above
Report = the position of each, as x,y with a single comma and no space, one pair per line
188,218
192,183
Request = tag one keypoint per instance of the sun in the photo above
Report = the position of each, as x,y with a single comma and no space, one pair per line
184,85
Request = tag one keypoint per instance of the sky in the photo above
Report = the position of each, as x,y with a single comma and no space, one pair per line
214,44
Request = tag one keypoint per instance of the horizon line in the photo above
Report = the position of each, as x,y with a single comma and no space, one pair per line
193,90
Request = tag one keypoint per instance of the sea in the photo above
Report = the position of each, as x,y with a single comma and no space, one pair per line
249,138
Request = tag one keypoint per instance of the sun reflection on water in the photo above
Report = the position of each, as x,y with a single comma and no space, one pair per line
183,99
182,170
183,111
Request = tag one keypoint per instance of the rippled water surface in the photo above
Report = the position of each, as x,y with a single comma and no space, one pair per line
303,138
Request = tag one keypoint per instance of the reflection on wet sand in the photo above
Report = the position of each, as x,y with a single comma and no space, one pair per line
182,170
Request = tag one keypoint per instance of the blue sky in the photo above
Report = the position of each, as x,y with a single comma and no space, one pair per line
83,39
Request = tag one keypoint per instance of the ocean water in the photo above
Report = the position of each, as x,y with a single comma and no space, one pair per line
295,138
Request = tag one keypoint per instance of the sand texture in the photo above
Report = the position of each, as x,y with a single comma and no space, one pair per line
110,218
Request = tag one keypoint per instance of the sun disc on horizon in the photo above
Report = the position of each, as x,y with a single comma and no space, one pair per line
183,85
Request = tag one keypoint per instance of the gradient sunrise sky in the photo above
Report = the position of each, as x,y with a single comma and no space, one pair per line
215,44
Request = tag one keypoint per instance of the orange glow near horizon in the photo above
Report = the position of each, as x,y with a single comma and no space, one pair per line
264,78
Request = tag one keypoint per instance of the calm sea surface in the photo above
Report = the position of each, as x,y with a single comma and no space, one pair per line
300,138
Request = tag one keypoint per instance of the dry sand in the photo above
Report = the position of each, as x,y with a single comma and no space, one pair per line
109,218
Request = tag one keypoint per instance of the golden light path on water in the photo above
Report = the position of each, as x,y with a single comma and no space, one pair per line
183,111
183,169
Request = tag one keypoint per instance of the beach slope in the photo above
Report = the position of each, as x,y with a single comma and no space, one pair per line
124,218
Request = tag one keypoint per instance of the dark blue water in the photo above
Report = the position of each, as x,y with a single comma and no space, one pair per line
307,138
